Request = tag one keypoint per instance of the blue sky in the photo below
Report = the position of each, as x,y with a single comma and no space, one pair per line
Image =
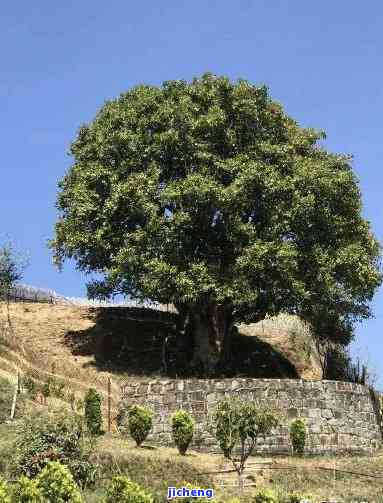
61,60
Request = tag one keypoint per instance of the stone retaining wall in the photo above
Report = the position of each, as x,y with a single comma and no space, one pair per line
341,417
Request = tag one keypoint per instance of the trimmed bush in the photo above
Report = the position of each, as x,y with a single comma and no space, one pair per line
265,496
123,490
298,436
26,491
57,485
4,494
182,430
140,421
93,413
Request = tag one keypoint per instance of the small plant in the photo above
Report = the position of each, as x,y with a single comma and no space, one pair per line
57,388
123,490
265,496
298,436
93,413
57,485
30,385
45,390
4,494
140,420
182,429
71,398
26,491
298,498
84,472
239,423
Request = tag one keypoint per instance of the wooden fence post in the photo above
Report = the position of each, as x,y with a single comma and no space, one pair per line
109,405
14,400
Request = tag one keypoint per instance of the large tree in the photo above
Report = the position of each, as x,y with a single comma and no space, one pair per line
208,196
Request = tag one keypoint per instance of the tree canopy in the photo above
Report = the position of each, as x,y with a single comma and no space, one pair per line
209,196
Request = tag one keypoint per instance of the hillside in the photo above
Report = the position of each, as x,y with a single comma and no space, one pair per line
88,344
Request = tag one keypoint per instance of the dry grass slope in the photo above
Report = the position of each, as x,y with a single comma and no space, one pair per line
86,345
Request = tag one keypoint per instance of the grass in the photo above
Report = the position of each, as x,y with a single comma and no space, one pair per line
156,468
90,344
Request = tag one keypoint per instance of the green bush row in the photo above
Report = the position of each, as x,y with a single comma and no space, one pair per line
140,422
51,388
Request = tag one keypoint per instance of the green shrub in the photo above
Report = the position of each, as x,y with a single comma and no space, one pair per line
56,388
265,496
123,490
237,424
140,420
298,498
84,472
93,413
182,429
4,493
57,485
30,385
26,491
45,390
298,436
43,438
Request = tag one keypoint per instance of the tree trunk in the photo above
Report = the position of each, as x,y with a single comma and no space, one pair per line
210,328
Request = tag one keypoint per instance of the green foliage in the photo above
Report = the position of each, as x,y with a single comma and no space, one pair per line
265,496
29,383
57,485
239,422
209,196
298,498
340,366
26,491
4,492
123,490
43,438
45,390
93,413
55,388
11,269
182,430
298,432
140,421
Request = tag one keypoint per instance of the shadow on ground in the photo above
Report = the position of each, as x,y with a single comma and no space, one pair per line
131,340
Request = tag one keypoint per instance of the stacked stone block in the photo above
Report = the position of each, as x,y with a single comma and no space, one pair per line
340,416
